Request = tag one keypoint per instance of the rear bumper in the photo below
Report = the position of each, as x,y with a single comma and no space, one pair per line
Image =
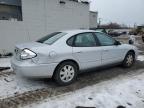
28,68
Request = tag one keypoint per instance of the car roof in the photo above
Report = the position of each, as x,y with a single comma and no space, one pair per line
78,31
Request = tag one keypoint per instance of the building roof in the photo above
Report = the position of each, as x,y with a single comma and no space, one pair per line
80,1
11,2
18,2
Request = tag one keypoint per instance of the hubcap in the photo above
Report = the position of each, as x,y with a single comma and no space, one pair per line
129,60
67,73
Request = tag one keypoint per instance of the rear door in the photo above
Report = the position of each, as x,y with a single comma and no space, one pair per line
86,51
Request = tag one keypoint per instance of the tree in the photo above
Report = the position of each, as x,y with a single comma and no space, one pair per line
113,26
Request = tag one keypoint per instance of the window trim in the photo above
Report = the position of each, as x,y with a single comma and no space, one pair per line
72,41
73,45
107,36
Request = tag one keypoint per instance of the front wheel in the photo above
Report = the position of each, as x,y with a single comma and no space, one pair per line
66,73
129,60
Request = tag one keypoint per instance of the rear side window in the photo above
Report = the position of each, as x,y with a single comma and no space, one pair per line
70,41
51,38
84,40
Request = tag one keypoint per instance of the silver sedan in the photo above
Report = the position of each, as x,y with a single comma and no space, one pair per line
62,55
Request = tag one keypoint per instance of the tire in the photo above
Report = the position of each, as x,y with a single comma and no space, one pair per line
129,60
143,39
131,42
66,73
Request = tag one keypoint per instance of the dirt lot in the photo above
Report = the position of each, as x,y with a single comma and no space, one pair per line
50,89
85,79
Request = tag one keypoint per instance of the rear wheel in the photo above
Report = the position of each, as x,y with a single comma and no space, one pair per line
129,60
66,73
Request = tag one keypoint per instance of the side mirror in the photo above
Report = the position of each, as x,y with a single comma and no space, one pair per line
131,42
117,43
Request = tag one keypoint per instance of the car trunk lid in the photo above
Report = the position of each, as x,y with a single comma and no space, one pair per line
30,45
34,46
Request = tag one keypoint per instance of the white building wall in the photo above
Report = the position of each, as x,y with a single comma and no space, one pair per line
41,17
93,19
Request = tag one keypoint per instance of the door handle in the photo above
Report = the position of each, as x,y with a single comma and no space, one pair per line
79,52
106,50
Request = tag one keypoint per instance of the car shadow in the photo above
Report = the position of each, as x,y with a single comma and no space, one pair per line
93,76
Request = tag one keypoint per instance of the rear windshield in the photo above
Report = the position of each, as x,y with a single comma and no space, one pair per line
51,38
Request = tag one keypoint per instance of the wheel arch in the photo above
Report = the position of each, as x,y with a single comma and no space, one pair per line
67,60
132,51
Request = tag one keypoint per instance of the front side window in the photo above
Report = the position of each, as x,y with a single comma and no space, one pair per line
51,38
85,40
105,40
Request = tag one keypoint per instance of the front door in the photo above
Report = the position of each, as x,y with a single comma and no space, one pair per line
111,53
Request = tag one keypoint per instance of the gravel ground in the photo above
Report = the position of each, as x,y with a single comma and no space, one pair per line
123,90
84,79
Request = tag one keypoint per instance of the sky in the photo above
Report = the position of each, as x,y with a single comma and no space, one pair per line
127,12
